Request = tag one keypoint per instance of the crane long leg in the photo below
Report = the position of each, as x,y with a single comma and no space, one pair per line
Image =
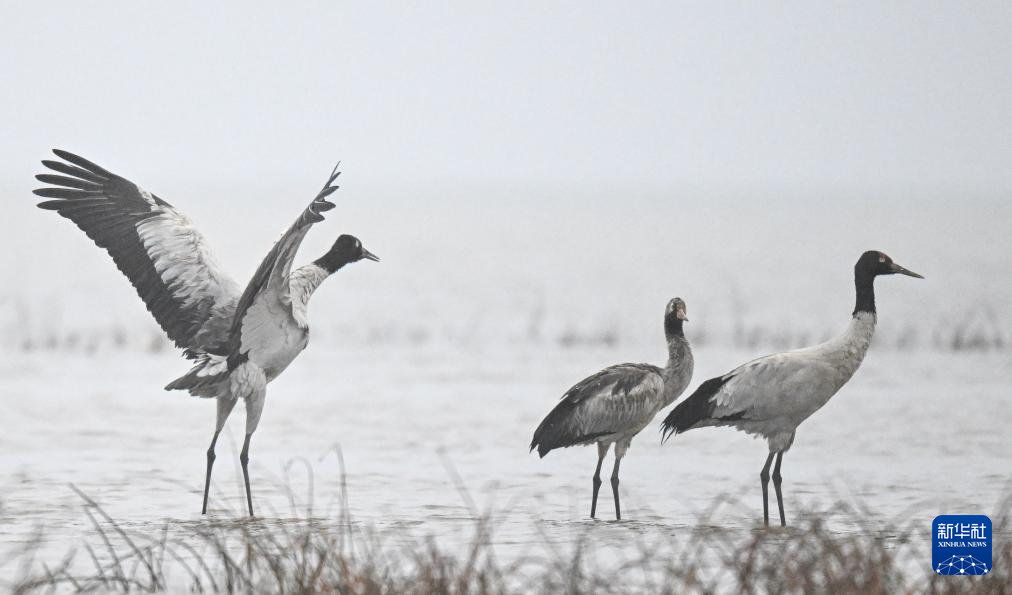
602,450
764,476
621,447
224,409
614,485
210,463
254,407
244,459
776,486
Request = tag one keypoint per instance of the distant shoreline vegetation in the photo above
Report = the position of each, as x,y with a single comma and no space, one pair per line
973,330
314,554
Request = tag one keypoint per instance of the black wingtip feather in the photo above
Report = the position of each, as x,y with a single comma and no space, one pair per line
68,182
698,407
549,437
333,175
65,193
70,170
538,443
81,162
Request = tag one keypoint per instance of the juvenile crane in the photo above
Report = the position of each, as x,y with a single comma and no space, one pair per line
613,405
771,396
239,342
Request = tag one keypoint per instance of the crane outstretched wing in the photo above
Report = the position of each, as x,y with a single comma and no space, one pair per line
268,295
616,399
157,247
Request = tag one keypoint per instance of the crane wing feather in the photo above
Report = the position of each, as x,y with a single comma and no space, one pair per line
266,302
156,246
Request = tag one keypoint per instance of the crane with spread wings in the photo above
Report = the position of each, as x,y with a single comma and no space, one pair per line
239,341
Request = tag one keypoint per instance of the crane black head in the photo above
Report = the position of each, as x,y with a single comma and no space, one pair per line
346,249
674,316
872,264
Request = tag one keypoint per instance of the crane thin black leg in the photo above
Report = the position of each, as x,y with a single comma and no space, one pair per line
597,481
224,409
614,486
210,463
776,486
244,459
764,476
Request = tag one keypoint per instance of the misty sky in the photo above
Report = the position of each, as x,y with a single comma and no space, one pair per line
596,157
905,96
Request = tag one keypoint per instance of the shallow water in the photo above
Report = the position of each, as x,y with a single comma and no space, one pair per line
913,435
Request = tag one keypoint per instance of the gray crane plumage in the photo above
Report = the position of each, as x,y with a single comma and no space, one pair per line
615,404
240,341
771,396
156,246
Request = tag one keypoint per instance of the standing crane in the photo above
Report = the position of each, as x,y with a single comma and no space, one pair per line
239,342
613,405
770,396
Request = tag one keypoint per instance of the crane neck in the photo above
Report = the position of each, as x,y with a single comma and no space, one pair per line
673,327
678,345
332,261
864,285
678,371
305,280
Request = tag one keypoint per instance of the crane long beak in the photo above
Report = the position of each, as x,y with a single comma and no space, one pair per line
902,271
370,255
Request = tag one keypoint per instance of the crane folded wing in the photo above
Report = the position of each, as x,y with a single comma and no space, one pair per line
615,400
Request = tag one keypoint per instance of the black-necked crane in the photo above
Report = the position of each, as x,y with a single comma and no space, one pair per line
769,397
613,405
239,341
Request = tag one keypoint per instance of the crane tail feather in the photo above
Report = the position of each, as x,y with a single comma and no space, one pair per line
697,408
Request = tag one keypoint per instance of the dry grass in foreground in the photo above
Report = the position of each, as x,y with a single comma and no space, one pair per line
310,556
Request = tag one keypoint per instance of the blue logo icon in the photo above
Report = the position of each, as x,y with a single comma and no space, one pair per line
961,544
